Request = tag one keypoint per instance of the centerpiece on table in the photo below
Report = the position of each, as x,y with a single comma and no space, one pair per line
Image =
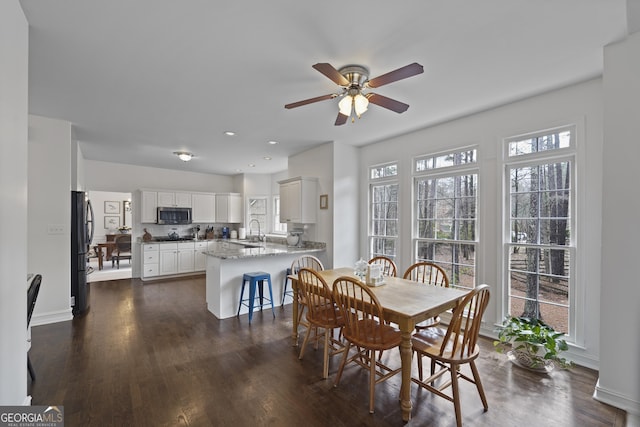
534,344
124,229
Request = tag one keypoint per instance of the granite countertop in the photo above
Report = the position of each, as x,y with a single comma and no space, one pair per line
236,250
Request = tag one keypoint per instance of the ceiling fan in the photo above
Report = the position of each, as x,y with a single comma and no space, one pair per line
354,80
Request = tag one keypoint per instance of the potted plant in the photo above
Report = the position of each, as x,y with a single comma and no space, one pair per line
534,344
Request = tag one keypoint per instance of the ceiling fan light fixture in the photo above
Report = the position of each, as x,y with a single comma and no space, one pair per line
345,105
183,155
360,104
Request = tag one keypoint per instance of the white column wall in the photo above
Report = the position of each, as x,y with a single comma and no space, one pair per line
14,53
619,380
50,204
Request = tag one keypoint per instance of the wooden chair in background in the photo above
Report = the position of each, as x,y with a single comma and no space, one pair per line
122,249
364,328
452,348
388,266
430,273
322,313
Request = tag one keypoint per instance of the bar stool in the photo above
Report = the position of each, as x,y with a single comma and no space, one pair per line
253,279
286,292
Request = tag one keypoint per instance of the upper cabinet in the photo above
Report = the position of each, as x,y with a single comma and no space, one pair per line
229,208
203,207
174,199
149,209
298,199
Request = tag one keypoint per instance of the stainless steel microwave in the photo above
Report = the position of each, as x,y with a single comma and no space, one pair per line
169,215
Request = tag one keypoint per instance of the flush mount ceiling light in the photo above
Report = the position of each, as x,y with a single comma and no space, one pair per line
353,81
183,155
229,133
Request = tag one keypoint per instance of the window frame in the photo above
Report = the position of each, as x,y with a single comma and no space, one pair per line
373,182
568,154
470,168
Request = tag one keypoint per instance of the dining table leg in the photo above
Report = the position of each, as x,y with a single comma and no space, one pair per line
294,333
98,250
405,359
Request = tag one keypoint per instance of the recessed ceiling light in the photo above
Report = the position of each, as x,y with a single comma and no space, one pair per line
267,158
273,142
251,165
183,155
229,133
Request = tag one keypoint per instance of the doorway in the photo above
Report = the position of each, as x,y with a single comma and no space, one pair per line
112,217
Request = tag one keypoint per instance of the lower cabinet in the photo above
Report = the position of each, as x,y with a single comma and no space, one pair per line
165,259
150,258
200,259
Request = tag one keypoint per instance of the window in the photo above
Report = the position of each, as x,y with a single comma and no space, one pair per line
445,188
278,227
258,211
383,194
540,212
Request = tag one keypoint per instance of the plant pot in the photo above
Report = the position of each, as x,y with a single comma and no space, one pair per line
531,356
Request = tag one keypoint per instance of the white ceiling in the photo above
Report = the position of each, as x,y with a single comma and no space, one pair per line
141,79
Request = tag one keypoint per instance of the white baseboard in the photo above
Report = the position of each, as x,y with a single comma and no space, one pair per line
616,399
51,317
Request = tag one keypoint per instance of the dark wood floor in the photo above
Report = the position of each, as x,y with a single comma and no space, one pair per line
152,355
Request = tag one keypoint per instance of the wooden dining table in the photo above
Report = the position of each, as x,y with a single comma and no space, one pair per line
109,246
405,303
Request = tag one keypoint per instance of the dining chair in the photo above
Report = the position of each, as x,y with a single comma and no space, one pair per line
430,273
388,266
32,296
449,349
364,328
310,262
122,249
322,313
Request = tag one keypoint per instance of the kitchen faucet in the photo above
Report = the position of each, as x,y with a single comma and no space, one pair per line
251,230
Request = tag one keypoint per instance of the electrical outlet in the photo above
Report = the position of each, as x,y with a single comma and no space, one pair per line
55,229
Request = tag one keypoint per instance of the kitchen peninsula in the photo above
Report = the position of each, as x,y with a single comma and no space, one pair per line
227,261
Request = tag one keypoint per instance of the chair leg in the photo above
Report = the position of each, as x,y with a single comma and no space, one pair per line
325,365
342,363
476,378
456,394
32,373
304,343
372,380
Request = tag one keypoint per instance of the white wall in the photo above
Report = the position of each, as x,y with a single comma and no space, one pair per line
580,104
318,162
619,381
97,199
120,177
14,45
343,216
50,204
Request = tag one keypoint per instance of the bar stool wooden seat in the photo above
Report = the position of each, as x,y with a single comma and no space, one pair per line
255,278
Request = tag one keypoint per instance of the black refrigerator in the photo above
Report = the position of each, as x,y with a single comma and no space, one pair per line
81,237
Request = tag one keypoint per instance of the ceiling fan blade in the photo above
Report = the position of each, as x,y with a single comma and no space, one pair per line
341,119
310,101
391,104
329,71
395,75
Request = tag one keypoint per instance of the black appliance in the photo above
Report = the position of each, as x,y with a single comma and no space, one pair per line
173,216
81,236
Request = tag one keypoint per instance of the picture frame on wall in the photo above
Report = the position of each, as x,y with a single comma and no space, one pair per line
111,222
111,207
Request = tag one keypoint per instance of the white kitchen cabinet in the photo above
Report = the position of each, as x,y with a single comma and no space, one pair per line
150,260
228,208
203,207
174,199
199,258
186,255
298,200
176,258
168,259
149,210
